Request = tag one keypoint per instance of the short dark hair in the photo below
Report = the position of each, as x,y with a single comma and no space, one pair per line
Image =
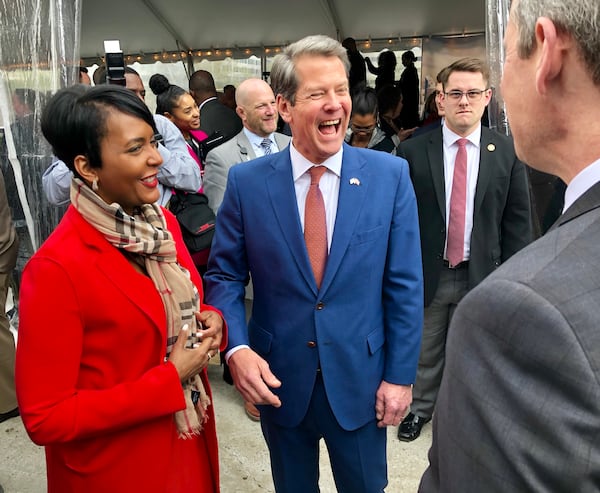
74,120
99,75
364,101
467,64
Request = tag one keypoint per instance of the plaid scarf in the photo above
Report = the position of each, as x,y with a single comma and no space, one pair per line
146,239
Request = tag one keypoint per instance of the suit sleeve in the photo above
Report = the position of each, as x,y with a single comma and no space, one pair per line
516,228
179,170
228,272
403,288
215,179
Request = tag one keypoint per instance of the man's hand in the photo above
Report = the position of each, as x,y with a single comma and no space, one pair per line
252,377
392,403
210,325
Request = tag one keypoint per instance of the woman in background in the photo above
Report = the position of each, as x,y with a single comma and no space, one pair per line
179,106
409,85
364,128
113,335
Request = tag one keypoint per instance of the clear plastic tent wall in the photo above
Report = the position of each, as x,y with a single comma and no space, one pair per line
39,53
497,19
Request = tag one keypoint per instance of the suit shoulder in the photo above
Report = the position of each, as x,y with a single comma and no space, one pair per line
496,137
383,161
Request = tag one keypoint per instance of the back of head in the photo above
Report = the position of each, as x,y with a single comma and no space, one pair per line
408,57
74,120
349,44
283,73
579,18
364,101
467,64
167,94
99,75
202,81
387,60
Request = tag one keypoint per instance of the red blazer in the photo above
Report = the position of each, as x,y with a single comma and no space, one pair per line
91,379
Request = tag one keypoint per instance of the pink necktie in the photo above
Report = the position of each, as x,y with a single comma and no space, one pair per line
315,225
458,204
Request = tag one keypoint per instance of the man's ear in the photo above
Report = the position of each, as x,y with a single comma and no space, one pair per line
550,57
83,168
283,108
240,112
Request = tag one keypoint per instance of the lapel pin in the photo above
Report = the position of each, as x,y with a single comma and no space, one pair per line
354,181
491,147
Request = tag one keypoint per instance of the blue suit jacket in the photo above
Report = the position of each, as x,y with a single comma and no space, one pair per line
365,319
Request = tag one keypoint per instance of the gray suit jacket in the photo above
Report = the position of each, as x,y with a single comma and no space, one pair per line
519,405
223,157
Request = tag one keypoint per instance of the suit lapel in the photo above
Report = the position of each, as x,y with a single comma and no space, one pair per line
245,147
280,186
354,188
282,141
117,270
435,156
487,157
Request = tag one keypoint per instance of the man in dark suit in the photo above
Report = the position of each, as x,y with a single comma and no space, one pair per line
217,120
474,213
519,406
329,234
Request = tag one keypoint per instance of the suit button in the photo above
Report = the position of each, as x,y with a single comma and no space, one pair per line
439,255
311,344
320,305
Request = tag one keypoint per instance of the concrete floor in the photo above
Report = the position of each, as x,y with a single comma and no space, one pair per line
243,453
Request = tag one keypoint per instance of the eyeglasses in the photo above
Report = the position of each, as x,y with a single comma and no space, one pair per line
473,95
356,128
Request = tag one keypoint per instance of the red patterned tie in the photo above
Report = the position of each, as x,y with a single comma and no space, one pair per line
458,204
315,225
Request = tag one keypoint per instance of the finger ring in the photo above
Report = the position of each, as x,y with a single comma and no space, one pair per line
209,355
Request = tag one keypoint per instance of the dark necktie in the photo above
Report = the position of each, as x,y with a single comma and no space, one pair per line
315,225
458,205
266,146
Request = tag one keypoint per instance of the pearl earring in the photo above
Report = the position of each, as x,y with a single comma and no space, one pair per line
95,184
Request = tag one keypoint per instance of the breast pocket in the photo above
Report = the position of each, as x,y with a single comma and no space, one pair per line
367,236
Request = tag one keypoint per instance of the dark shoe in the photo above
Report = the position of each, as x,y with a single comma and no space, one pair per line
251,410
410,428
10,414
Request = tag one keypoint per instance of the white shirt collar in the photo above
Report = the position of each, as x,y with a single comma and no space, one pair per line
300,164
450,137
256,140
206,101
583,181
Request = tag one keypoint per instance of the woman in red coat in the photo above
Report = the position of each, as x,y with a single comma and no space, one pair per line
113,336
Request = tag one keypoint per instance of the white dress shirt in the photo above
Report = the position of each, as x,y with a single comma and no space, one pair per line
256,142
473,155
582,182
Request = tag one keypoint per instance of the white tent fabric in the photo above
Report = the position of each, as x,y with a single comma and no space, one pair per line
151,26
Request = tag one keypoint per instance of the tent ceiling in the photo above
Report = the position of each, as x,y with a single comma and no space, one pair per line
154,25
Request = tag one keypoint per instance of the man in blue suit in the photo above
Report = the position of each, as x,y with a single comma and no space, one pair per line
327,353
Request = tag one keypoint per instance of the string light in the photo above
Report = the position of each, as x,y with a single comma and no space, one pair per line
369,43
